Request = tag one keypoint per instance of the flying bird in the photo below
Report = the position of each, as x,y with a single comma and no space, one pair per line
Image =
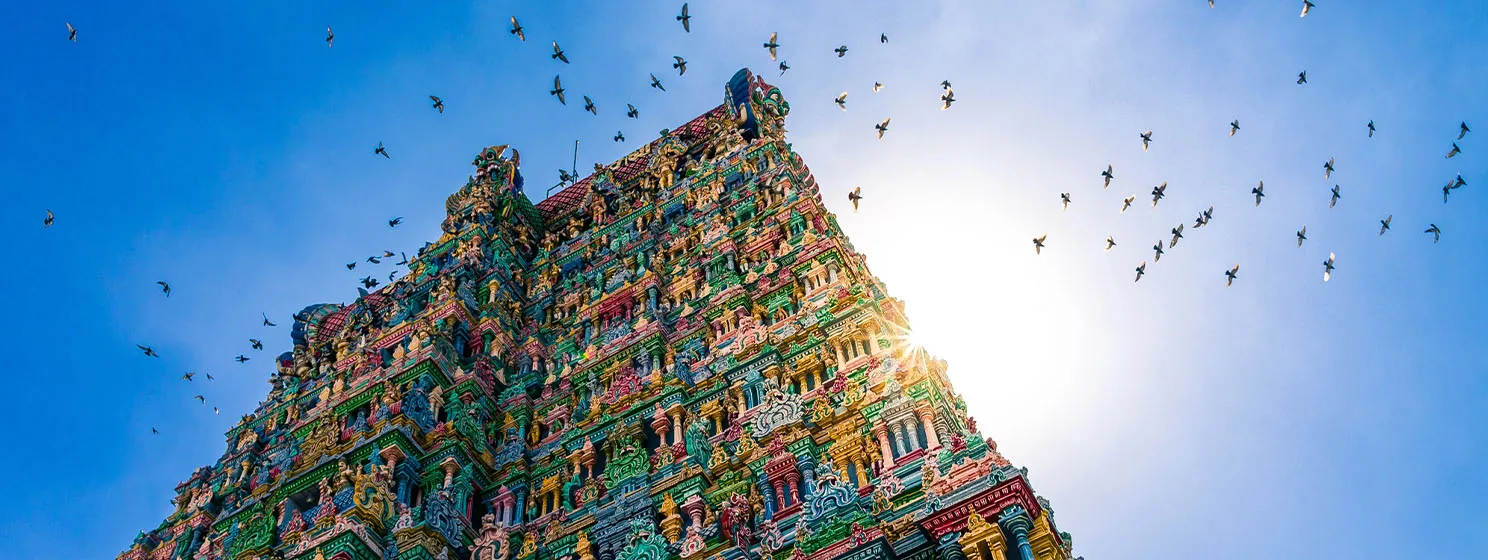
589,106
392,275
403,262
1108,174
1141,269
1328,268
1385,224
1306,7
1435,232
855,196
241,358
516,29
1146,139
1334,200
164,288
877,86
47,221
945,84
656,83
1328,169
1038,244
1302,78
783,67
71,32
1159,192
772,45
330,36
841,51
255,343
558,53
1177,234
1234,127
369,282
1127,202
680,65
947,99
1463,130
685,19
558,90
1064,200
147,350
381,150
1371,129
438,103
154,431
266,321
1230,275
841,100
395,221
209,376
1110,242
1159,251
619,136
214,410
200,399
882,128
1455,150
883,38
1301,236
188,375
1447,189
630,111
1259,191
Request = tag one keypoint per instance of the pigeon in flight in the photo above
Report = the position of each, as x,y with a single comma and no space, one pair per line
200,399
381,150
1334,200
351,265
1064,200
557,90
855,196
1146,140
1447,189
564,176
1385,224
214,410
71,32
1463,130
1230,275
1259,191
1177,234
516,29
241,358
1302,78
1108,174
154,431
841,51
1328,169
877,86
147,350
255,343
1301,236
369,282
330,36
438,103
188,375
619,136
680,65
945,84
1371,129
1328,268
841,100
164,288
882,128
392,275
1038,244
1234,127
395,221
266,321
1110,242
1157,256
1455,150
1435,232
403,262
1306,7
589,106
630,111
947,99
772,45
883,38
1159,192
685,19
1141,269
47,221
1127,202
209,376
558,53
783,67
656,83
1204,217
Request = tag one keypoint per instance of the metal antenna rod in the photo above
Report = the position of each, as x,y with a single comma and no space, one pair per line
575,169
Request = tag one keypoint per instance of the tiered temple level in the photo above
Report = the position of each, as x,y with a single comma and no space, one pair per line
679,356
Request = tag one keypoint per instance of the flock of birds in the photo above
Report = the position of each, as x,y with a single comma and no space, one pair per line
855,196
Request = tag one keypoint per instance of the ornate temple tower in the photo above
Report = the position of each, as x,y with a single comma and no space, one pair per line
679,355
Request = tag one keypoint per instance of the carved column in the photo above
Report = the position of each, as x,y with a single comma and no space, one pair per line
1015,521
927,419
882,433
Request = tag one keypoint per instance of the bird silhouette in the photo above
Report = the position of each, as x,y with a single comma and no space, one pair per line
1141,269
1259,191
351,265
266,321
1064,200
685,19
855,196
947,99
1301,236
147,350
841,51
1328,268
1463,130
1038,244
516,29
241,358
1177,234
438,103
680,65
188,375
1385,224
1108,174
255,343
200,399
154,431
214,410
209,376
877,86
589,106
1234,127
1230,275
71,32
1159,192
164,288
1455,150
783,67
1435,233
1302,77
619,136
392,275
369,282
47,221
656,83
403,262
883,38
374,259
558,53
1127,202
1328,169
330,36
1110,242
1371,129
1158,251
1447,189
381,150
557,90
387,254
1146,139
1306,7
1334,199
772,45
882,128
945,84
395,221
630,111
841,100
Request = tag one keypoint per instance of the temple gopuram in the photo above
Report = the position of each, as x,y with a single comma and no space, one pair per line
678,356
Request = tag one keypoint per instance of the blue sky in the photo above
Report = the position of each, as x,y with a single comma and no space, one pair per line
223,148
